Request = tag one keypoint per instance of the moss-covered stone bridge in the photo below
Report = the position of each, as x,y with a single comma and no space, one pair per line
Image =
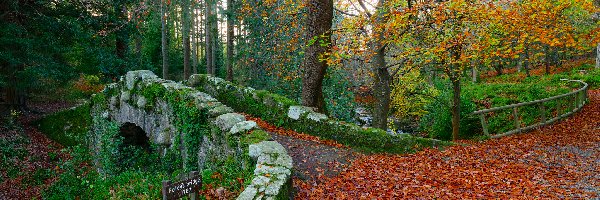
194,124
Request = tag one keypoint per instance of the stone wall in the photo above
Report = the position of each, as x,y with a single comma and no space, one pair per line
191,126
287,113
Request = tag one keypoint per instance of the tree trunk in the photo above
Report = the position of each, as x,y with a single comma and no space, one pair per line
455,107
454,75
185,19
526,62
381,88
230,12
547,59
208,37
121,32
598,56
474,74
214,37
194,40
164,44
382,79
499,69
318,26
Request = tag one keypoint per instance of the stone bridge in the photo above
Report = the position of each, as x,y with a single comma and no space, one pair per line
189,129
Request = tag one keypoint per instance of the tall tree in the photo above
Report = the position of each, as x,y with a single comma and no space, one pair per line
230,24
122,32
194,37
318,33
164,41
208,37
186,38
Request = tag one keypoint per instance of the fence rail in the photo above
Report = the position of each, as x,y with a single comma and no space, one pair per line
578,99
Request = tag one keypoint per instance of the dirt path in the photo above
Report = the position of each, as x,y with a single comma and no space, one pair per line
29,158
555,162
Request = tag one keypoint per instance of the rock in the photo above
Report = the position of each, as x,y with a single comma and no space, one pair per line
315,116
196,79
172,86
114,101
220,109
215,80
141,102
273,189
260,181
202,97
125,96
248,194
269,147
133,76
294,112
242,127
226,121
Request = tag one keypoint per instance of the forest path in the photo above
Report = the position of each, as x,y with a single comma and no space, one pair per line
555,162
314,159
29,157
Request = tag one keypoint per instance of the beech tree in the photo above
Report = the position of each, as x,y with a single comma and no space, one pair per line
318,32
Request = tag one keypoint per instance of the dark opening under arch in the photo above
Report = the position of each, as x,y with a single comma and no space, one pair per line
134,135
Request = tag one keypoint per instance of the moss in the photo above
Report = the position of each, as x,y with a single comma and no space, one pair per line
68,127
255,136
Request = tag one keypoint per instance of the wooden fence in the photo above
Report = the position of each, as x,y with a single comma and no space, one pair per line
567,104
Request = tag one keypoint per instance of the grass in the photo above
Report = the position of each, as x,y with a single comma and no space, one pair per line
517,88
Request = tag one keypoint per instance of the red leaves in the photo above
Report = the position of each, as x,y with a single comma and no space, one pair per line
559,161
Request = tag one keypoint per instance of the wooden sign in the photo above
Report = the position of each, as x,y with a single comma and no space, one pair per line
190,186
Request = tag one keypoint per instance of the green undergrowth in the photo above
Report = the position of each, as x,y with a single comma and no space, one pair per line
273,108
516,88
68,127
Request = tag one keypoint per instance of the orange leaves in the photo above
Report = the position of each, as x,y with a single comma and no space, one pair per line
556,162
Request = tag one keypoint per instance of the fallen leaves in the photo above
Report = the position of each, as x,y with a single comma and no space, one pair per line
559,161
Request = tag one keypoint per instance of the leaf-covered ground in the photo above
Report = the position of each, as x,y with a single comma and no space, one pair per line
29,158
558,161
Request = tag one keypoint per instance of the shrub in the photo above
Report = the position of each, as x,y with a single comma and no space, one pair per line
438,120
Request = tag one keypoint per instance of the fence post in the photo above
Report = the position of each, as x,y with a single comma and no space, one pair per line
165,185
516,115
484,124
194,195
543,113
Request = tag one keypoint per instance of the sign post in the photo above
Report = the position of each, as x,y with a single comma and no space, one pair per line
190,186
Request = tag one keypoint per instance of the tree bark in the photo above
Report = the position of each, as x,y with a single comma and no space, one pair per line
381,87
194,40
526,62
122,34
598,56
230,12
185,19
547,59
164,42
318,27
208,37
454,75
474,74
455,107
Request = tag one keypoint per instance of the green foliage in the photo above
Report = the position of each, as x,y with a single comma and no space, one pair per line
68,127
254,137
229,174
438,120
11,150
410,95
